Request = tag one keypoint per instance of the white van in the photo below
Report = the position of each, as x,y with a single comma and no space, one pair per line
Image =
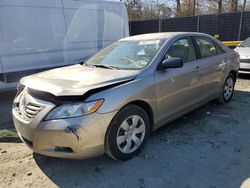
39,35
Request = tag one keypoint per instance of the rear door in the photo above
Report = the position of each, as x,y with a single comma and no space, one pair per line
213,61
179,88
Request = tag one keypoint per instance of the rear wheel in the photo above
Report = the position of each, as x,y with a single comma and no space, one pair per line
228,89
127,133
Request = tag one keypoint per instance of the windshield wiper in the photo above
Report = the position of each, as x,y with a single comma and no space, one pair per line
105,66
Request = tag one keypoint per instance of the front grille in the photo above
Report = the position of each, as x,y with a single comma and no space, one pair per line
245,60
28,107
31,110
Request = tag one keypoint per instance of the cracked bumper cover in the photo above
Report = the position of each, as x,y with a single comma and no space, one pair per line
84,135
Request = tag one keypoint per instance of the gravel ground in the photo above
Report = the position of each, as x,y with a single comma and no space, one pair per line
208,148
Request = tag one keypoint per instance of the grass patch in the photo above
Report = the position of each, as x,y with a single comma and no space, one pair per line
7,135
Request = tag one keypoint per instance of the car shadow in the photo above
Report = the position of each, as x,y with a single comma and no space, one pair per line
207,145
73,173
244,76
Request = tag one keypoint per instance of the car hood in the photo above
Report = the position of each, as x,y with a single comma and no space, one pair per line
244,52
76,80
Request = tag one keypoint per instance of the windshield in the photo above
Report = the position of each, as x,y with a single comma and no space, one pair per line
246,43
126,54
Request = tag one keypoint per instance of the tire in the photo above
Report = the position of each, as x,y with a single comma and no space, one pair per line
228,89
125,138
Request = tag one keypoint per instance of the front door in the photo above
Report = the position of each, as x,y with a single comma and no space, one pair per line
179,88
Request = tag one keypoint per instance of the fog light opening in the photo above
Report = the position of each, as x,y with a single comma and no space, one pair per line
63,149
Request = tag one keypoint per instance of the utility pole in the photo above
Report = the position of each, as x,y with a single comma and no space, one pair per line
241,17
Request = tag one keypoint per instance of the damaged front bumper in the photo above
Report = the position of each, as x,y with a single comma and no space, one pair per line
76,138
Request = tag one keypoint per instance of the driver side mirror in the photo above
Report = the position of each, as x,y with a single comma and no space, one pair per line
174,62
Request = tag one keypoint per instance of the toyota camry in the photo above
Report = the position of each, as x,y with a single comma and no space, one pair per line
112,102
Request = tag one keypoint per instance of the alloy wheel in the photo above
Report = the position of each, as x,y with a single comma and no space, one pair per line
228,88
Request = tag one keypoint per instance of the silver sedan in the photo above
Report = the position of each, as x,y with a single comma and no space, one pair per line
111,103
244,51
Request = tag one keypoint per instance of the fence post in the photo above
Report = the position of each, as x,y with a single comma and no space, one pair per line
160,25
198,23
130,28
241,17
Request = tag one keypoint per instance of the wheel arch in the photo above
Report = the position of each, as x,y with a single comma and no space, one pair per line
136,103
147,108
234,73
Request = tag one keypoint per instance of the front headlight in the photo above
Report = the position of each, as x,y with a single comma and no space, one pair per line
74,109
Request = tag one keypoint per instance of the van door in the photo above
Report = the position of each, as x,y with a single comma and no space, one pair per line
115,23
92,26
83,37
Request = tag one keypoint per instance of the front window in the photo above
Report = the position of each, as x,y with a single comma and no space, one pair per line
246,43
182,48
127,54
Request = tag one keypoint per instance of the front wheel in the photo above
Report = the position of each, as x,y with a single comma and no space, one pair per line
127,133
228,89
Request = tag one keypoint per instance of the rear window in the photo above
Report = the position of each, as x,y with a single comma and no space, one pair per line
206,47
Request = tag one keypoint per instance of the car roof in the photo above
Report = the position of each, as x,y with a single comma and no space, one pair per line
156,36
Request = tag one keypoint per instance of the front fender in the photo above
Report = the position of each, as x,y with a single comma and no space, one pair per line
142,89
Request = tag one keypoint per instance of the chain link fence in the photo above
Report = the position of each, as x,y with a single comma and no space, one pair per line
226,26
